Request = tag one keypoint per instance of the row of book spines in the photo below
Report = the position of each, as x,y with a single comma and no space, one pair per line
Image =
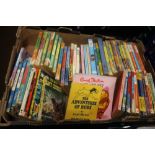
136,93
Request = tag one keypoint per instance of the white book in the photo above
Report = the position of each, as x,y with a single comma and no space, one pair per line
22,109
74,58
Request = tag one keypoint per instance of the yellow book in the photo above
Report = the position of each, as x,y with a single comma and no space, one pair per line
83,102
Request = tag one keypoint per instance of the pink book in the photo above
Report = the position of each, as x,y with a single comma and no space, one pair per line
108,83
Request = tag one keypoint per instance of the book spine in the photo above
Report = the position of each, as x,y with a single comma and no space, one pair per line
124,101
86,59
23,105
96,60
104,62
82,59
19,82
63,67
99,59
133,104
74,59
138,57
11,81
47,59
141,99
92,57
57,55
71,63
77,60
28,104
128,105
13,88
41,48
36,48
136,93
58,72
53,51
107,60
67,67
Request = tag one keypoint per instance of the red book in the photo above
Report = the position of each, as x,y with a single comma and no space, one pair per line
133,60
71,64
28,104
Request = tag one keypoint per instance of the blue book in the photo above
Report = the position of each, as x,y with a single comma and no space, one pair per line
96,60
128,104
86,60
67,67
104,62
14,88
92,57
19,81
138,66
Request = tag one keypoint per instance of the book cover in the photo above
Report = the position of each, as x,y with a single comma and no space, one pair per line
83,102
96,61
71,63
19,59
133,104
82,59
36,48
57,55
53,102
48,56
104,62
44,53
12,93
63,66
41,48
54,50
67,67
86,59
23,105
92,57
106,98
32,88
58,72
99,59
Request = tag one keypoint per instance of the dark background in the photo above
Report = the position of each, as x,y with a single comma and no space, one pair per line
8,37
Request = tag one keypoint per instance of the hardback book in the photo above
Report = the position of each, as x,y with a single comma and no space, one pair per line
54,50
60,59
92,57
77,60
71,62
82,59
86,59
106,98
49,51
104,62
133,104
96,61
83,102
74,46
36,48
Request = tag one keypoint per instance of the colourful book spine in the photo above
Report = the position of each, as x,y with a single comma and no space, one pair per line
142,105
19,59
104,62
74,59
77,60
36,48
34,94
28,104
82,59
71,63
96,60
135,58
107,60
138,57
67,67
124,101
47,59
85,59
13,88
99,59
92,57
133,104
23,105
136,93
57,55
41,48
54,50
63,66
88,57
151,84
19,82
58,72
